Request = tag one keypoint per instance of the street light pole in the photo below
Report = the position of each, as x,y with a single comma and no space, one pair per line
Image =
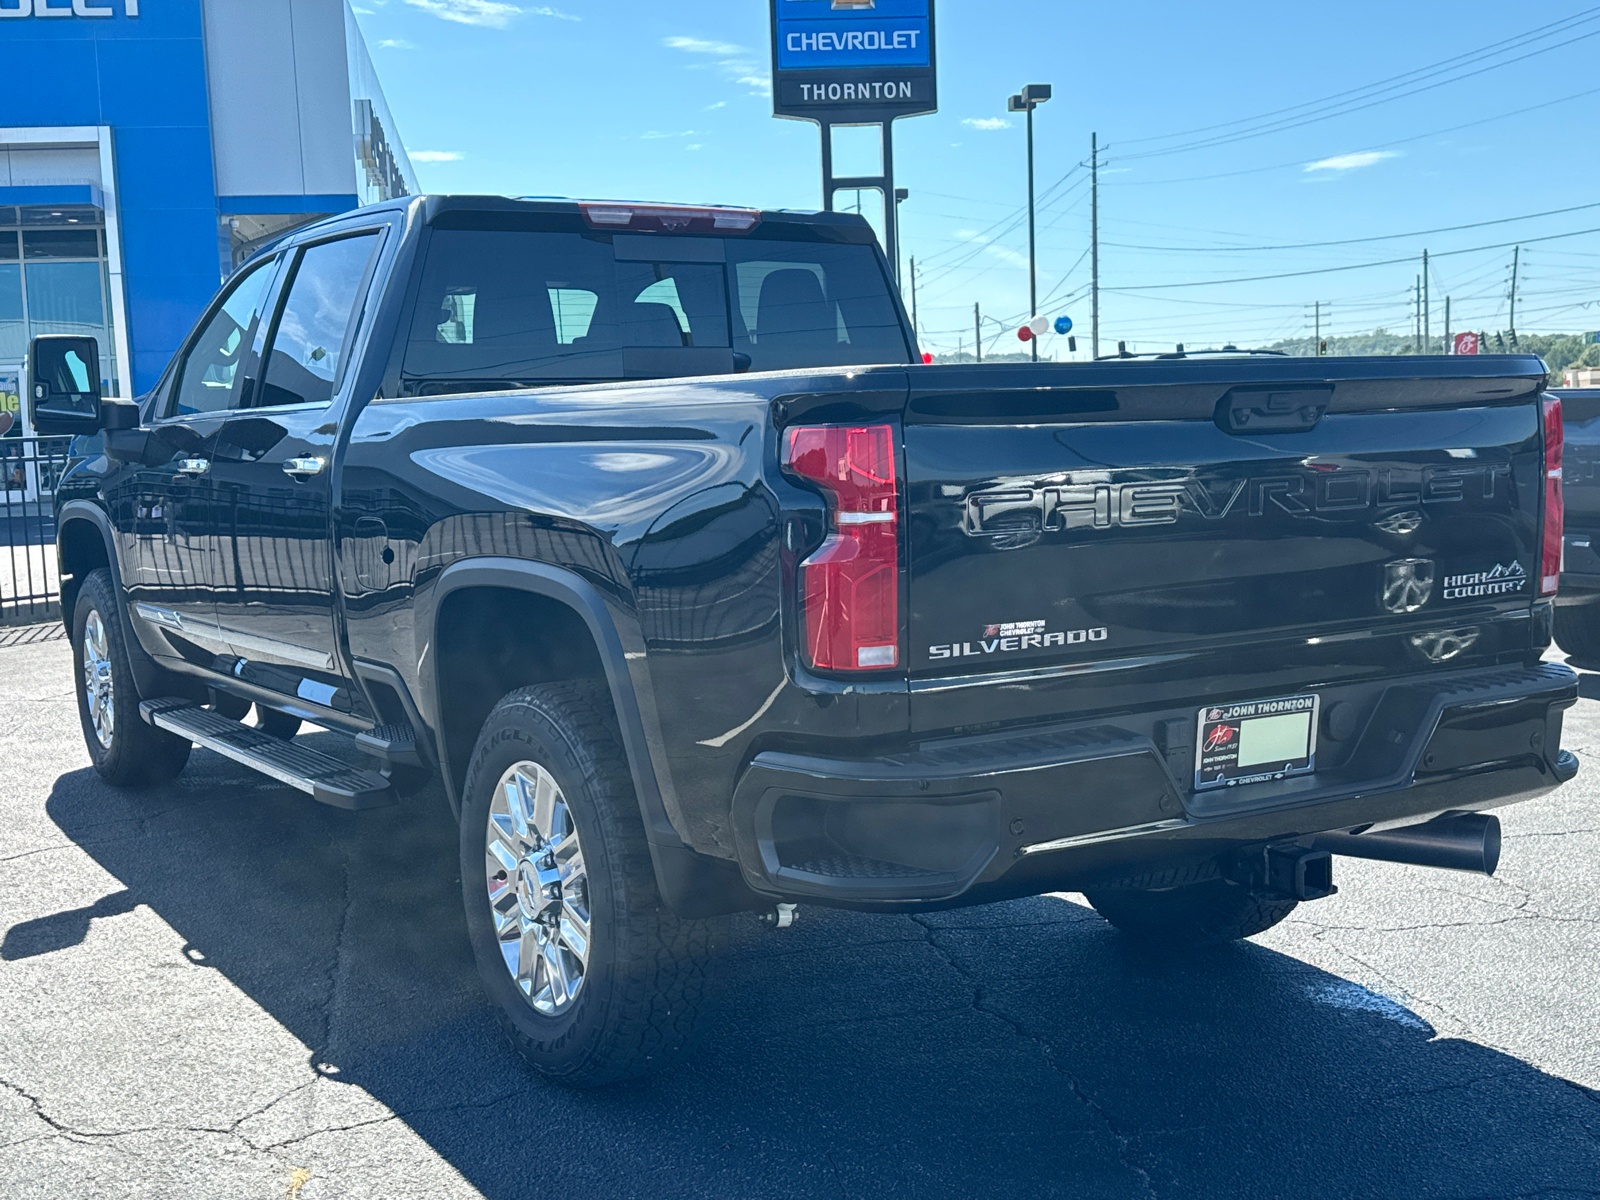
1026,101
901,195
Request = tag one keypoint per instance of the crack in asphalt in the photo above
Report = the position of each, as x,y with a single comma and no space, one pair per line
337,966
39,850
60,1128
1124,1144
404,1115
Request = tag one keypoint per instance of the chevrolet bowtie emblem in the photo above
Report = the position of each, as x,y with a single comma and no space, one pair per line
853,3
1407,585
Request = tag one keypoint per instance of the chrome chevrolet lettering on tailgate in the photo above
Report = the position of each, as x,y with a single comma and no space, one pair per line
1097,503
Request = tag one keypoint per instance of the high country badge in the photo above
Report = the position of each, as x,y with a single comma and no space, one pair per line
1502,580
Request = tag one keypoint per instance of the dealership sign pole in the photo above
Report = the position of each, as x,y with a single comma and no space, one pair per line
855,62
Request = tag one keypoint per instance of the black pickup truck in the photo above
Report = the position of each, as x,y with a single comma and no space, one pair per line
645,531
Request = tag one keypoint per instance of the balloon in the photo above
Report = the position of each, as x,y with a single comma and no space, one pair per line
1025,334
1040,326
1063,324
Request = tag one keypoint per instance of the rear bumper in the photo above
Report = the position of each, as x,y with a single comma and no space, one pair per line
975,819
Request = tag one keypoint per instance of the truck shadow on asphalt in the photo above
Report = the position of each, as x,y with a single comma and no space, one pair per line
1023,1049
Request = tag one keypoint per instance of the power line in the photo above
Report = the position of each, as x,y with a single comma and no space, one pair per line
1382,237
1387,262
1301,162
1357,99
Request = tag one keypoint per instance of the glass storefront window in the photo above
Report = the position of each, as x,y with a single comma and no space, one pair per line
64,297
60,243
59,286
66,215
13,328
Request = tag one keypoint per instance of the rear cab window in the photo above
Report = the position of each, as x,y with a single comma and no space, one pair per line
505,307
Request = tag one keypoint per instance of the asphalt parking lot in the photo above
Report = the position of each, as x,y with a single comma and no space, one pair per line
221,989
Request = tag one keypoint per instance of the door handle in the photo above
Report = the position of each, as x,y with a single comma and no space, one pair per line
303,468
193,466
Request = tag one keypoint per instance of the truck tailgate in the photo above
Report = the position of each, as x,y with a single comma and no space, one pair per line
1136,534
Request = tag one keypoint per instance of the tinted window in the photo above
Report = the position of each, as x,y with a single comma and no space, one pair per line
61,243
503,306
804,304
206,380
316,323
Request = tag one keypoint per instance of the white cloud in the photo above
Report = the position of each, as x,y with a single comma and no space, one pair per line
469,12
545,11
701,46
737,63
694,146
435,156
987,123
656,135
1351,162
1004,253
714,107
395,44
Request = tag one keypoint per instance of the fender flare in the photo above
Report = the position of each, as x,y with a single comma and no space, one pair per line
574,592
148,676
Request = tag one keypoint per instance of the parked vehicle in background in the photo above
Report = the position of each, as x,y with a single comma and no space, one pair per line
642,530
1577,627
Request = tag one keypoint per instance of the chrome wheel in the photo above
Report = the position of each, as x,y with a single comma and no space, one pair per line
538,888
98,694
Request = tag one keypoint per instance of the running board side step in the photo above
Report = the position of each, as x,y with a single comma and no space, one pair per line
319,776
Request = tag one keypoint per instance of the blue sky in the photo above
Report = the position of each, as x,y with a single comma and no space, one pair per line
620,98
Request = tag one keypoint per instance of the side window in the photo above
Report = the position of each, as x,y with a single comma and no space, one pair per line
574,311
206,380
317,322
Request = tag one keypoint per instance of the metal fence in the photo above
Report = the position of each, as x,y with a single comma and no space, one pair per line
30,580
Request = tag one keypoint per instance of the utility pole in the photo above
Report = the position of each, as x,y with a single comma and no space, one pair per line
1416,316
1094,239
915,327
1448,348
977,332
1427,323
1516,258
1316,345
1026,101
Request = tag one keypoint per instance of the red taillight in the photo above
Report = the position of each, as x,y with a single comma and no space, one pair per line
1554,504
851,585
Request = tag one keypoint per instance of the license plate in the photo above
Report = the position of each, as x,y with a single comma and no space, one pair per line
1256,742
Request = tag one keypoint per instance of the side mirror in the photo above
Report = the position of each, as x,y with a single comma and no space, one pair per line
64,384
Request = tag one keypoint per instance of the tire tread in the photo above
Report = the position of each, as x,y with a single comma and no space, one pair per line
657,993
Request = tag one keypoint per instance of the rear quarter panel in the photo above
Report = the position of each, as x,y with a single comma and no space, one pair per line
665,497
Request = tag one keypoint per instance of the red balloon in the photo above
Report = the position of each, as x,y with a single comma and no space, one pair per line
927,358
1025,334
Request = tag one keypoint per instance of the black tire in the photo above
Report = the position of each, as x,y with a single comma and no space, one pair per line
1578,631
646,968
1188,909
278,724
135,754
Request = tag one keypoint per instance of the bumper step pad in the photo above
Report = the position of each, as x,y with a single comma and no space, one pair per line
321,777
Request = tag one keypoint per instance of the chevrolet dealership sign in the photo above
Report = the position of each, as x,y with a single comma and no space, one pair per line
67,8
843,61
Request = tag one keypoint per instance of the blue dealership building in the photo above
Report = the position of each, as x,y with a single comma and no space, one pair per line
147,147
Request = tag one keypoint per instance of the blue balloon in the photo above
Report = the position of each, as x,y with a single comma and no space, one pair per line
1063,324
